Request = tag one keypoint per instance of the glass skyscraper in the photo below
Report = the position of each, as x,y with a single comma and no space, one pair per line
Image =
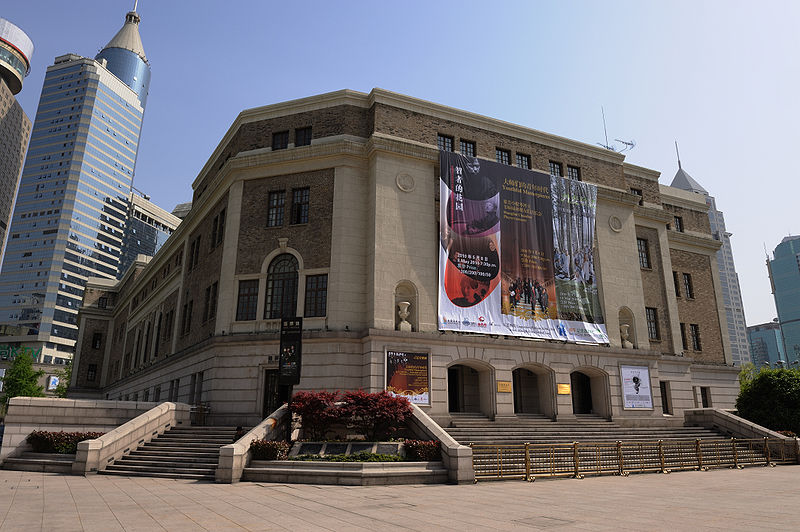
72,204
146,230
784,275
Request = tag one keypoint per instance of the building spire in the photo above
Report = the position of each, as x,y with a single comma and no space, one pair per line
676,148
135,4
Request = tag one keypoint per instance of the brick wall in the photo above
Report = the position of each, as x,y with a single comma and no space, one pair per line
654,291
702,309
692,220
91,355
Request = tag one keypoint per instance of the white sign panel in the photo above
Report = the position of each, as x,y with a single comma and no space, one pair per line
636,387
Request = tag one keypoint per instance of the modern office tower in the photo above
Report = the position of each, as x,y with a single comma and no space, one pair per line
146,230
72,204
766,344
728,278
784,276
16,50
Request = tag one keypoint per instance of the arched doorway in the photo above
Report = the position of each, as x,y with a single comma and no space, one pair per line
590,393
468,389
533,391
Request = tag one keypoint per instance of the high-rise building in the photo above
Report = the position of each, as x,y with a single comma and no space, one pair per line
784,276
766,344
16,50
146,230
728,278
72,204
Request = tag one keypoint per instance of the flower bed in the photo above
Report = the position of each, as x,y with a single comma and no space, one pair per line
59,442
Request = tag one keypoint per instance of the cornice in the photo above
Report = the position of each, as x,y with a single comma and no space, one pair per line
691,242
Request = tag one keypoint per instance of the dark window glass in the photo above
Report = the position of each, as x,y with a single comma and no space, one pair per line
638,192
91,372
652,323
302,136
694,334
97,340
573,172
556,169
212,312
688,288
644,252
300,206
502,156
468,148
677,284
524,161
679,224
684,344
280,140
102,302
281,300
277,200
444,142
316,295
248,300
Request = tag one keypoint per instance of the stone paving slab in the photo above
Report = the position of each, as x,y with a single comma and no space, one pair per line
756,498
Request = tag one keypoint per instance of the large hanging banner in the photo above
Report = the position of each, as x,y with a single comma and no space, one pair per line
516,253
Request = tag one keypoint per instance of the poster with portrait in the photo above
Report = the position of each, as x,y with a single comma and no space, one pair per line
636,387
516,254
408,375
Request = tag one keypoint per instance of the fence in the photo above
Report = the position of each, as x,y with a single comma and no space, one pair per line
530,460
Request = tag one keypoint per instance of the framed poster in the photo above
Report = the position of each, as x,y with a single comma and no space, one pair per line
408,375
52,383
636,392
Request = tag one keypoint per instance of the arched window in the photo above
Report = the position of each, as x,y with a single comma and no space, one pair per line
281,301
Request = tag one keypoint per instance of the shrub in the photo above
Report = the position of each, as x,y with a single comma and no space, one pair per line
363,456
59,442
788,433
422,450
772,399
269,450
374,415
318,410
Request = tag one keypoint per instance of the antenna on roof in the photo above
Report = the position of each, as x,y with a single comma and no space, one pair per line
679,158
135,4
626,145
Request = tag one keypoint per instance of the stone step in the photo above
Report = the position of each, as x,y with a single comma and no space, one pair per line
157,469
164,464
189,458
186,455
186,476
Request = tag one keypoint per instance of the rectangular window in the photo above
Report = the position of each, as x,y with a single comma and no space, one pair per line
277,200
186,324
502,156
644,252
652,323
688,288
217,229
299,206
248,300
524,161
679,224
684,344
212,312
316,295
468,148
102,302
444,142
638,192
97,340
705,396
302,136
574,172
676,283
280,140
694,335
666,400
556,169
91,372
207,305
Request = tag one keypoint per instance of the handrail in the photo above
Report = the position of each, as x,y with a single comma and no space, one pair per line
530,460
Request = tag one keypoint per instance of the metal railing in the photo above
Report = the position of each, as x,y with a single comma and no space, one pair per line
530,460
198,413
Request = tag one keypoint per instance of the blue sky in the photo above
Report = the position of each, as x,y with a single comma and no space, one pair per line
720,77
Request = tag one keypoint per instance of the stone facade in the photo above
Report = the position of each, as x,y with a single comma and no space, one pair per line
370,240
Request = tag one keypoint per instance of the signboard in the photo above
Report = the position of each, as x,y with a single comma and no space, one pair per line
504,387
563,389
52,382
291,352
516,254
408,375
636,387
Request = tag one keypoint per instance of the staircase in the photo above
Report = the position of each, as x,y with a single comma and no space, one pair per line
532,428
181,452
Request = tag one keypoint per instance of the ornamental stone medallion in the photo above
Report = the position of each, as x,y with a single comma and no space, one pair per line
405,182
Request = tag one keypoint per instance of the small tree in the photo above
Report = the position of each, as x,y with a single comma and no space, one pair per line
64,376
772,399
22,380
376,416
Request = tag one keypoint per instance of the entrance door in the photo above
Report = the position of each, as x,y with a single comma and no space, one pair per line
454,389
274,394
581,393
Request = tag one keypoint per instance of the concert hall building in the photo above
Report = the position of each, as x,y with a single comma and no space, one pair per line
475,265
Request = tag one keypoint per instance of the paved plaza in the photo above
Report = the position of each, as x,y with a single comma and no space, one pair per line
750,499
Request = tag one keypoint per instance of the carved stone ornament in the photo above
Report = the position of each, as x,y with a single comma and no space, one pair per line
405,182
403,314
615,224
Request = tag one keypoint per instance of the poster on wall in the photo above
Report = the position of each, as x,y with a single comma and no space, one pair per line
408,375
636,387
52,382
516,253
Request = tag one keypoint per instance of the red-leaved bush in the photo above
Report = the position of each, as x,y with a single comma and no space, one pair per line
422,450
59,442
269,450
376,416
318,410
